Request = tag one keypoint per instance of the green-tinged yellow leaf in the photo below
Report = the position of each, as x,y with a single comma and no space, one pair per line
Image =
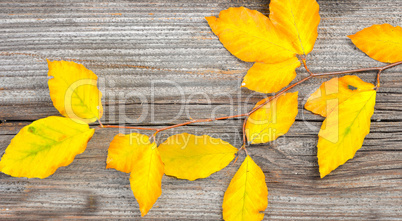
135,154
247,194
74,92
191,157
43,146
146,178
334,92
380,42
270,78
343,131
272,120
251,36
348,103
298,19
124,151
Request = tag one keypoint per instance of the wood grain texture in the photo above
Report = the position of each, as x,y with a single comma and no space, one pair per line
158,64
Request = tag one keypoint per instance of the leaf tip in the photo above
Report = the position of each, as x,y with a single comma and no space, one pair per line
109,162
324,172
144,211
351,37
211,19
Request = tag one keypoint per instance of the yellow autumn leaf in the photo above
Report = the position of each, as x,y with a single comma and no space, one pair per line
134,153
298,20
272,120
334,92
124,150
271,42
251,36
247,194
348,104
380,42
74,92
43,146
269,78
191,157
146,178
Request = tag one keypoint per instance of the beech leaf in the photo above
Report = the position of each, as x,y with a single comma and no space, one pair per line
298,20
272,120
269,78
251,36
247,194
136,154
335,91
43,146
191,157
271,42
124,150
347,122
74,92
380,42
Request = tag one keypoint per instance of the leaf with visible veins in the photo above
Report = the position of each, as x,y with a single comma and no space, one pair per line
348,104
272,43
74,92
380,42
43,146
191,157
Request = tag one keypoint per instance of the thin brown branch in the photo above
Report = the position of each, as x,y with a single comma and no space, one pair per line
312,75
200,121
279,94
359,70
244,148
129,127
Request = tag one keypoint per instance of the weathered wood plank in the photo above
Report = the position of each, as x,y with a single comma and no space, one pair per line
164,53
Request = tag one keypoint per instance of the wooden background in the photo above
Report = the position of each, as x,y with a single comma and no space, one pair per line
158,64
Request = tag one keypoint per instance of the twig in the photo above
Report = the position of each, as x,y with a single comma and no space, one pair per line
312,75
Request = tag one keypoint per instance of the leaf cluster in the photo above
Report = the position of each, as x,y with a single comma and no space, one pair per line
277,45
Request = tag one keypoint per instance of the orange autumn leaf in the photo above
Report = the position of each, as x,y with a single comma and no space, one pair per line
247,194
272,120
333,92
271,42
348,104
380,42
43,146
134,153
74,91
191,157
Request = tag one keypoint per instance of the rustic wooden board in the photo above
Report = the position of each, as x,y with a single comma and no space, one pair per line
161,60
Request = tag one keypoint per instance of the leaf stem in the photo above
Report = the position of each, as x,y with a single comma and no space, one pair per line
378,80
305,66
244,132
